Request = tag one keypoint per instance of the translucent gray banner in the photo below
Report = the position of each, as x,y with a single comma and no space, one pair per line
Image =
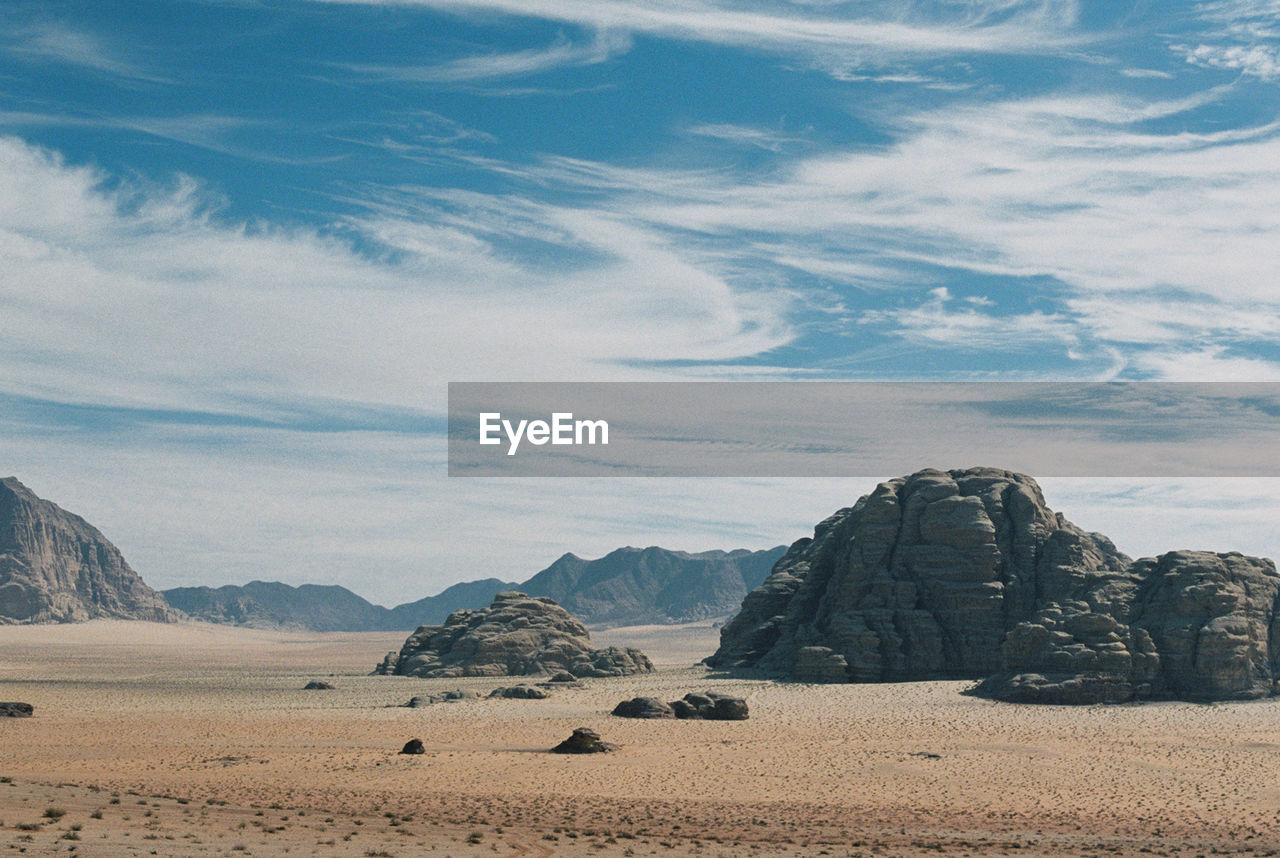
840,429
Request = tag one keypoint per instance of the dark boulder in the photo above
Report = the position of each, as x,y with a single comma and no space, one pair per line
643,707
563,676
413,746
452,696
519,692
16,710
583,741
317,685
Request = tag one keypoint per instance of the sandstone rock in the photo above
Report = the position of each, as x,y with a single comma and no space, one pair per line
453,696
515,636
583,741
643,707
968,574
563,676
413,746
519,692
56,567
317,685
710,706
16,710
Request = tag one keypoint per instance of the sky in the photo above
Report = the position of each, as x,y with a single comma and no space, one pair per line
245,245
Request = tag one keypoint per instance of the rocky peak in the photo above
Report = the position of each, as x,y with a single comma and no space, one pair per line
56,567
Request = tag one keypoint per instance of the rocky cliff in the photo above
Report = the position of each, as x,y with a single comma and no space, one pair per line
56,567
968,574
517,635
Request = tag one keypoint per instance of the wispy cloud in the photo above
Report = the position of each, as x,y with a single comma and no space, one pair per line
826,36
562,53
58,43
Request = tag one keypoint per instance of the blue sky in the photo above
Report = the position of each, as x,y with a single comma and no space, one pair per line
244,245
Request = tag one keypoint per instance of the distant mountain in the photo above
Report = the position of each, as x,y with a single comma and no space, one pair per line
634,586
629,586
272,605
55,567
433,610
324,608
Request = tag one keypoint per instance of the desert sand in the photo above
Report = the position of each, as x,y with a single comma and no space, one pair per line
194,739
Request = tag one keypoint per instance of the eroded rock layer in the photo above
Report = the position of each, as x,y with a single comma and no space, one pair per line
968,574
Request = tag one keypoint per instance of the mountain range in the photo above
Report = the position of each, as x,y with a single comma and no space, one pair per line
628,586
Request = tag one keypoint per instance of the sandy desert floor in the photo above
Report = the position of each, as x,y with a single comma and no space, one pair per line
199,740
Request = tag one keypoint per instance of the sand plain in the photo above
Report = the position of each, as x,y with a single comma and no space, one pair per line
199,740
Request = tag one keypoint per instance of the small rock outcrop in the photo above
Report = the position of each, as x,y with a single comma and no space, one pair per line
16,710
517,635
643,707
583,741
967,574
708,706
519,692
452,696
55,567
563,676
317,685
413,746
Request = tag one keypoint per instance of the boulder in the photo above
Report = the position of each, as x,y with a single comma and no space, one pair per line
453,696
317,685
583,741
643,707
967,574
517,635
413,746
16,710
563,676
519,692
708,706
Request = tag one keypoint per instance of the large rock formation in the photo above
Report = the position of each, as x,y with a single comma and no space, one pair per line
56,567
517,635
968,574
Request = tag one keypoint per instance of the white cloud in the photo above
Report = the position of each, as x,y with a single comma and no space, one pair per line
58,43
1260,61
560,54
145,297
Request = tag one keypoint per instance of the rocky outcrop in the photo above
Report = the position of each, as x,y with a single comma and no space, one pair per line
643,707
317,685
968,574
16,710
413,746
710,706
453,696
56,567
517,635
519,692
583,741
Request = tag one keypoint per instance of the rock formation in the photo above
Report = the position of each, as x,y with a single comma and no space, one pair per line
56,567
413,746
710,706
968,574
519,692
517,635
457,694
317,685
583,741
16,710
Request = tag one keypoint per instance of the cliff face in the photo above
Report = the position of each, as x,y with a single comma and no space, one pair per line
968,574
56,567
